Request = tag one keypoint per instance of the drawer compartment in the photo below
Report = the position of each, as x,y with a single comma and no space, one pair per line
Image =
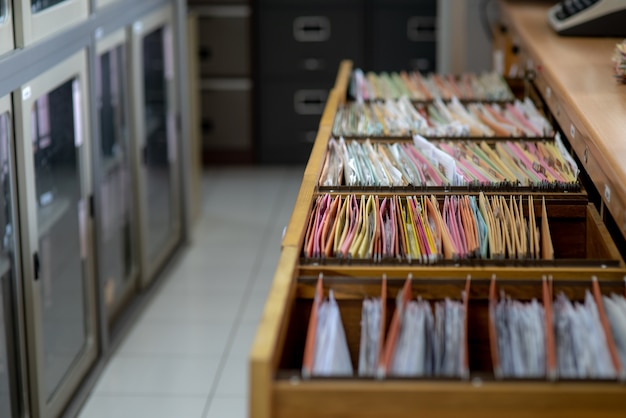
402,397
226,115
578,236
224,42
308,41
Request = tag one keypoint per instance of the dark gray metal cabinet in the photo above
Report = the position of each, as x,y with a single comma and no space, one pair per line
401,35
299,45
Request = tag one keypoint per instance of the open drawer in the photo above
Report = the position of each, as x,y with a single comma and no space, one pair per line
577,236
290,394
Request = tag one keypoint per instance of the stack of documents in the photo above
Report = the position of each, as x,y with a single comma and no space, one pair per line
373,316
401,118
581,343
419,229
423,341
415,86
504,164
520,329
615,308
326,352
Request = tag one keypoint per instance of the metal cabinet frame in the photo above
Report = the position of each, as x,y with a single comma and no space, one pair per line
75,67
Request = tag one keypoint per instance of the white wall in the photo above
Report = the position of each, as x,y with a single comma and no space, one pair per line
462,42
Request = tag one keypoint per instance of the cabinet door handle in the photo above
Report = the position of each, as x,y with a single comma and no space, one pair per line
207,126
205,53
311,28
36,265
309,102
421,28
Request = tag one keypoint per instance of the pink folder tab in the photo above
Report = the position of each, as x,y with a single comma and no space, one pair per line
522,119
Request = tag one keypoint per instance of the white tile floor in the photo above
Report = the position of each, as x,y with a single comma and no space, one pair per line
186,356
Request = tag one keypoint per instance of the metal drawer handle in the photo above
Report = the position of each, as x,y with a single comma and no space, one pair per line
308,137
309,102
313,64
421,64
311,28
421,28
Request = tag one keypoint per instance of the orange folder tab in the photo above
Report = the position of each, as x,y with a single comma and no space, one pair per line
394,329
309,346
551,364
617,365
493,338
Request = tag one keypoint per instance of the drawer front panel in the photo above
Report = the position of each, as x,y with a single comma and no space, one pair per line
226,114
308,41
224,46
411,32
289,117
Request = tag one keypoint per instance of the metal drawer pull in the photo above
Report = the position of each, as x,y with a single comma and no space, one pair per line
311,28
421,28
309,102
313,64
421,64
308,137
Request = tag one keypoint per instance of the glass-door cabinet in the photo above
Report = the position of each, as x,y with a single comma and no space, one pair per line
155,110
6,27
114,176
12,399
54,186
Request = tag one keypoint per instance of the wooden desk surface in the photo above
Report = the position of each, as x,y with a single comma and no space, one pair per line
580,70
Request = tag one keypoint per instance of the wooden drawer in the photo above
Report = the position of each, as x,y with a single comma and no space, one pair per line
579,237
395,397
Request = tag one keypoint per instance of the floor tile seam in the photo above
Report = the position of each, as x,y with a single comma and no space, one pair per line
173,321
150,394
167,355
256,263
167,395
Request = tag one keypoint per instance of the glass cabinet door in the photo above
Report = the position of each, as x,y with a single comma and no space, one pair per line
156,109
54,181
40,5
116,232
6,26
9,392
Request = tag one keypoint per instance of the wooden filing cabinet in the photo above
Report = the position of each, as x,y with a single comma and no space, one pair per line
585,252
